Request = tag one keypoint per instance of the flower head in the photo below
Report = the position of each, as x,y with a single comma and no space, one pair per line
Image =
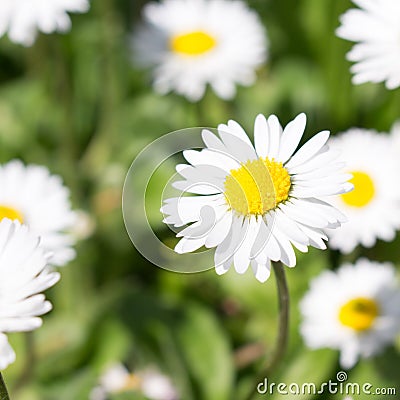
355,310
21,19
373,207
255,203
32,196
376,30
23,277
150,382
192,43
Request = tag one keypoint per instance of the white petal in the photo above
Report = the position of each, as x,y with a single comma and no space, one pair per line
304,215
321,172
239,132
309,149
220,231
261,135
187,245
182,210
7,354
349,355
240,150
212,141
315,236
211,157
317,162
203,226
221,269
225,251
288,257
196,188
275,132
272,248
241,258
291,137
261,271
288,227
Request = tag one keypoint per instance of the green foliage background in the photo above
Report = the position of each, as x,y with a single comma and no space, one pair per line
76,104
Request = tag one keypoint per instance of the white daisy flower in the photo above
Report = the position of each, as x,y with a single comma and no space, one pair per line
376,29
157,386
36,198
373,207
23,278
150,382
355,310
22,19
192,43
255,204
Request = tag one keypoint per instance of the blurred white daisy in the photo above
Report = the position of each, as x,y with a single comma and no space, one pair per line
373,207
355,310
23,278
150,382
22,19
192,43
254,204
376,29
85,225
36,198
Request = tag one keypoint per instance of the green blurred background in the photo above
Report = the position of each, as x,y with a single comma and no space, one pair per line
76,104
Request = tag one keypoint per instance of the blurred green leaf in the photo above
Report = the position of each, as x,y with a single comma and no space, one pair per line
206,350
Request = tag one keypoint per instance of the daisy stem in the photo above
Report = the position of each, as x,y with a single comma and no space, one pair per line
282,339
3,389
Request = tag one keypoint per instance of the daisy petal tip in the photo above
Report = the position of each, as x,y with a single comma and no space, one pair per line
261,116
302,118
262,279
179,247
325,133
273,119
290,263
263,274
220,271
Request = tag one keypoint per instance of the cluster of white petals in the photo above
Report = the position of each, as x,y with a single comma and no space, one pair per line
22,19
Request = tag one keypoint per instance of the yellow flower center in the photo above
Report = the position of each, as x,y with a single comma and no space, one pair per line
364,190
132,382
193,43
257,186
359,314
11,213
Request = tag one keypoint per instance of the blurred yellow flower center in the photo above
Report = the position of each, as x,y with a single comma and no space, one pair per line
364,190
359,314
257,186
193,43
132,382
11,213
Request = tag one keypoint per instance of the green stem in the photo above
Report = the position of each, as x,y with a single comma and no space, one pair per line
282,339
3,389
